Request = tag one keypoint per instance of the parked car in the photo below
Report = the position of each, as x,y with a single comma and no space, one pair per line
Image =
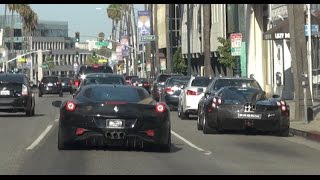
50,85
191,95
244,108
16,94
172,90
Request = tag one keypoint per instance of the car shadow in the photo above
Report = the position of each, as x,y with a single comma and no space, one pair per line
20,115
174,149
248,133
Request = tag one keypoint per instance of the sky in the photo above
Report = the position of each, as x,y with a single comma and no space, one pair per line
88,19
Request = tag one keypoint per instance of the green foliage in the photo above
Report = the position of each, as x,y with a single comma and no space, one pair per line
104,51
101,36
91,60
179,64
224,51
114,11
49,61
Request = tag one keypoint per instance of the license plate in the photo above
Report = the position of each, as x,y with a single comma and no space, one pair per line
50,84
249,116
5,92
114,123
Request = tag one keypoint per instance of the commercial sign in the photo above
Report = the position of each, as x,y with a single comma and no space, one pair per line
163,65
125,43
119,52
143,23
236,42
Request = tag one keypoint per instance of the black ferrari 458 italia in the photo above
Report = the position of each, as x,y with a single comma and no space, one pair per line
114,115
238,108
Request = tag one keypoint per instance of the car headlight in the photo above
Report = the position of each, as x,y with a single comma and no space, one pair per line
83,76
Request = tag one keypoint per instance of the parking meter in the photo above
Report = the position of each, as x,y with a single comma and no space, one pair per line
304,81
278,78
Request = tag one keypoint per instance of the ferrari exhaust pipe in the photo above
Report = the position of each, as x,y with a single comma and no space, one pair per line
109,135
115,135
121,135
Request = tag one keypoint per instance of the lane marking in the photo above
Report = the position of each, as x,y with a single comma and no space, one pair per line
42,135
56,120
191,144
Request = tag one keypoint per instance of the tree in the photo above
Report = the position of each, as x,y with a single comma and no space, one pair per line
206,39
224,52
101,36
91,60
179,64
50,63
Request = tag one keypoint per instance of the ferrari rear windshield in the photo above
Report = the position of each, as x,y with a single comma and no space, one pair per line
241,95
104,80
103,93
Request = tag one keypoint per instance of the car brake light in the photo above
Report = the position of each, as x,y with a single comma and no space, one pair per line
160,107
216,102
24,90
192,93
284,108
95,66
150,132
79,131
168,90
71,106
76,83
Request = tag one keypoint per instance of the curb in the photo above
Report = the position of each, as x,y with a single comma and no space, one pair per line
310,135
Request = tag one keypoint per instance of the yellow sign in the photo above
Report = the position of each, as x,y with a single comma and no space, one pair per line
22,60
103,60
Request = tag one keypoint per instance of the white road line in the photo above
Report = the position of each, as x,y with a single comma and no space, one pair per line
42,135
56,120
191,144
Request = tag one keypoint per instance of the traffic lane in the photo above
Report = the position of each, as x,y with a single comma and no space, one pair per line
254,154
47,159
18,131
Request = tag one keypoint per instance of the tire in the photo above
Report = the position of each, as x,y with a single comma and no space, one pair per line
62,145
199,125
29,110
206,128
71,92
284,132
165,147
40,94
61,94
33,111
184,116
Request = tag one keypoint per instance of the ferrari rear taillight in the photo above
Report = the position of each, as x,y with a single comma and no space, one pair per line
24,90
70,106
76,83
160,107
216,101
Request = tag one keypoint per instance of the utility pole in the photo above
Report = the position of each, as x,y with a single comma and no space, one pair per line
188,39
299,57
156,43
168,38
309,54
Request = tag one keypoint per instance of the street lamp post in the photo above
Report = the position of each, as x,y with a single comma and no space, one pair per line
188,39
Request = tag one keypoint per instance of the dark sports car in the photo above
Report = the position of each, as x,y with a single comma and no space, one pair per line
238,108
114,115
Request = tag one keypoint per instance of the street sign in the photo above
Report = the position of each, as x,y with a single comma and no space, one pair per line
22,60
45,66
103,43
103,60
236,41
314,29
148,38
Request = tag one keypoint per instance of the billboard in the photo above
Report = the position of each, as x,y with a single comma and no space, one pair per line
143,23
125,43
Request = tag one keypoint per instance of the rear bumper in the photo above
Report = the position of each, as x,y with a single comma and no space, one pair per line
192,102
50,90
172,100
14,104
230,121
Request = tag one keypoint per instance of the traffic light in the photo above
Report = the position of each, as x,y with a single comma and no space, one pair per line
94,54
77,54
77,37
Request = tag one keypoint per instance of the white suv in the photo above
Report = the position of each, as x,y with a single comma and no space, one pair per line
190,96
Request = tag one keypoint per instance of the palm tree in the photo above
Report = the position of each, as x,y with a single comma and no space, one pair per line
101,36
206,39
13,8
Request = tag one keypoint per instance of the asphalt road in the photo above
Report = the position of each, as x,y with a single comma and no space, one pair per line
29,146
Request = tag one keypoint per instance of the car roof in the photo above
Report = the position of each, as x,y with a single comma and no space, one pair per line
12,77
238,78
103,75
111,85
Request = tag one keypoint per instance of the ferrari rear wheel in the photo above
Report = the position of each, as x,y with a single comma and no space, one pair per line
166,147
40,94
207,129
199,125
62,145
61,94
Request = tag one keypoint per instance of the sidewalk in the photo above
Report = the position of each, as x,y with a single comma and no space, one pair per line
311,130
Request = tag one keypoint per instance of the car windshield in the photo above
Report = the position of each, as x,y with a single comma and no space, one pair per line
201,82
50,79
178,81
103,80
96,69
103,93
163,78
237,83
241,95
